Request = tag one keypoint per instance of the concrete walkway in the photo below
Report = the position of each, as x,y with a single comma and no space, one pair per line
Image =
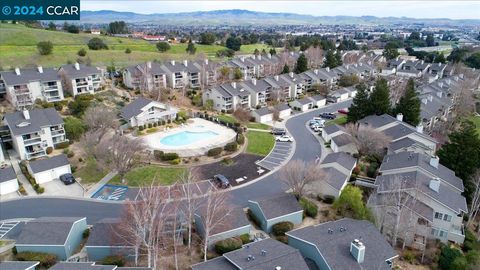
100,184
20,176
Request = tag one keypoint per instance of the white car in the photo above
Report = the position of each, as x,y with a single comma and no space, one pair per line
284,138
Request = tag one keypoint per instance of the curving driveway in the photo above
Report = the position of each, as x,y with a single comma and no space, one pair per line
307,148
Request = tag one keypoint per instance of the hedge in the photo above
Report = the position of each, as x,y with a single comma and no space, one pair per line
328,199
253,218
158,154
281,228
227,245
245,238
282,238
175,161
240,139
46,260
114,260
62,145
214,152
231,147
169,156
310,209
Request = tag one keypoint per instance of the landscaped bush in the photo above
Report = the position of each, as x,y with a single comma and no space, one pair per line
372,170
113,260
40,190
158,154
253,218
231,147
281,228
46,260
245,238
214,152
240,139
227,245
149,125
409,256
328,199
282,238
140,128
86,233
62,145
175,161
169,156
49,150
310,209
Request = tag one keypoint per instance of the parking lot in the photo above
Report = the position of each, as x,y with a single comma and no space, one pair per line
277,156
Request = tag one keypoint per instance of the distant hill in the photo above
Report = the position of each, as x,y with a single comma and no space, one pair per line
246,17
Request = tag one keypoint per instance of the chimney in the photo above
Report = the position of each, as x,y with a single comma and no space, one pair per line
26,114
254,81
278,268
77,66
419,128
430,98
434,184
315,71
440,84
327,69
269,56
400,117
291,53
234,85
424,100
185,63
40,69
276,77
242,59
259,57
206,61
357,249
347,66
264,252
149,64
17,71
172,62
434,161
460,75
369,63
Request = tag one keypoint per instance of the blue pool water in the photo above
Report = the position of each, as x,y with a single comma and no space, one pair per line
186,137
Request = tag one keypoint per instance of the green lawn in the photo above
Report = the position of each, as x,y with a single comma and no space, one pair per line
250,48
259,143
340,120
476,121
258,126
91,172
143,176
227,118
18,48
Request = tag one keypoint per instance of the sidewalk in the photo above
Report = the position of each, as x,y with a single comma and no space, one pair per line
100,184
20,176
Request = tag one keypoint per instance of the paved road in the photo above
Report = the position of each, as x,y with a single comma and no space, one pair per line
279,154
307,148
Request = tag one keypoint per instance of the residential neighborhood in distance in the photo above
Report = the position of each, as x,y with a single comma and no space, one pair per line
283,135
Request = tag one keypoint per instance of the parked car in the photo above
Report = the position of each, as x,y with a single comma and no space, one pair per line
343,111
67,178
221,181
278,131
327,115
317,128
284,138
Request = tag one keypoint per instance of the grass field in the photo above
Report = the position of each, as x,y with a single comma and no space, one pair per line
227,118
260,143
142,176
91,172
258,126
18,48
340,120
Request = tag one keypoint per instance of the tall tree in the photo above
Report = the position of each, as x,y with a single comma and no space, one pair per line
390,51
233,43
360,104
117,27
380,98
100,118
286,69
462,154
430,40
302,64
52,26
191,47
368,140
207,38
409,105
298,175
330,59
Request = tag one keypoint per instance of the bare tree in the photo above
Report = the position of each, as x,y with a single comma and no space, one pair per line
475,204
189,203
143,222
275,116
100,118
120,153
397,89
242,115
216,213
315,56
89,142
368,140
224,74
297,175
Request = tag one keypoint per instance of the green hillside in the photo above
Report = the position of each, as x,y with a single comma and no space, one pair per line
18,48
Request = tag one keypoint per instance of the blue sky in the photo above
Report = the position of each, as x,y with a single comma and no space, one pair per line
414,9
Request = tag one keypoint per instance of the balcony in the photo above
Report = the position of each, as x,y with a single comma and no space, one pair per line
50,87
19,90
58,132
32,141
53,98
81,82
35,153
456,234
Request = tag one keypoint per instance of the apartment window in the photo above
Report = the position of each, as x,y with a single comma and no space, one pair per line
447,218
438,215
439,233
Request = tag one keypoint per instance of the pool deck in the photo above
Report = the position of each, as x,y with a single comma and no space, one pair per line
198,148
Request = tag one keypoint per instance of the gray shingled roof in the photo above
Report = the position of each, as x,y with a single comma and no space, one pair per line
279,205
14,265
236,219
84,266
335,178
345,160
7,174
342,139
404,143
414,161
46,231
84,71
416,179
276,254
38,118
304,101
134,268
263,111
317,97
134,108
219,263
377,121
398,131
282,107
41,165
330,129
103,234
335,247
30,75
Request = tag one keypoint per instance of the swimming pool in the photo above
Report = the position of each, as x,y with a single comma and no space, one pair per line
186,137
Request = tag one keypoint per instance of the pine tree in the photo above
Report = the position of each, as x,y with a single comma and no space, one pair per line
302,64
191,47
360,104
462,154
338,59
330,60
409,105
380,98
286,69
